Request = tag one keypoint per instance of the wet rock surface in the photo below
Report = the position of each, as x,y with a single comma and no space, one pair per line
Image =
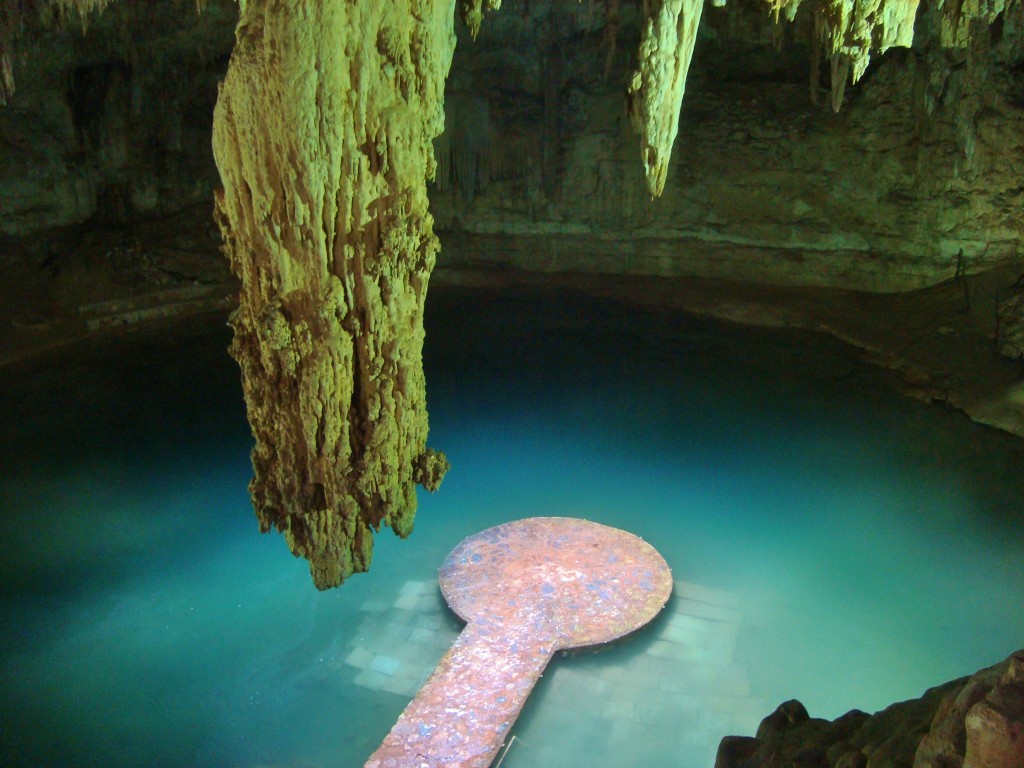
974,722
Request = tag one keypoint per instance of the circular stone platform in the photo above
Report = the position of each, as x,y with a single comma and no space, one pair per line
526,589
570,581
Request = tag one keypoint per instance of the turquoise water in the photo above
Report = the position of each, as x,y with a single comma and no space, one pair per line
831,542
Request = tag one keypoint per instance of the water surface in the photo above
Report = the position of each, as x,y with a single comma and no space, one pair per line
831,542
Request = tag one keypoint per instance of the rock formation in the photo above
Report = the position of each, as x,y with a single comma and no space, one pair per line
973,722
322,136
472,13
13,18
847,31
111,123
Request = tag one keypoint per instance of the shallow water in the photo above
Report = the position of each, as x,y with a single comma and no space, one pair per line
831,542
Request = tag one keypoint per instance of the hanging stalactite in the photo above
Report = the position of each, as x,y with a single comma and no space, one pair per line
464,150
655,94
322,135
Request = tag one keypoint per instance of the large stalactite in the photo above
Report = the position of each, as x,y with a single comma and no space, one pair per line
322,135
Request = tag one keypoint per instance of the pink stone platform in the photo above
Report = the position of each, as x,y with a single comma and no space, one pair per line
526,589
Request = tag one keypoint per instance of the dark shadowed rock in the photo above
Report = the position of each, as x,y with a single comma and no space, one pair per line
810,757
975,722
733,751
787,716
1010,336
853,758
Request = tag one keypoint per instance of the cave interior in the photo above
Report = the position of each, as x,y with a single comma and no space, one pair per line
744,278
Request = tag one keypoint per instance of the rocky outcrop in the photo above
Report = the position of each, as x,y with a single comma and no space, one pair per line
975,722
322,136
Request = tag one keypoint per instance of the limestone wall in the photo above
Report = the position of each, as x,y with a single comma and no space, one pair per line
110,120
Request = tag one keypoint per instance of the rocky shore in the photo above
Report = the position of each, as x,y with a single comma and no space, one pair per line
973,722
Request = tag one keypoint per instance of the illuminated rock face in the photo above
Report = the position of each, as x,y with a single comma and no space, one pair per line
923,162
322,136
845,31
849,32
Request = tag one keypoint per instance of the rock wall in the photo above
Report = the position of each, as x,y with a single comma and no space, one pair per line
917,175
109,118
322,137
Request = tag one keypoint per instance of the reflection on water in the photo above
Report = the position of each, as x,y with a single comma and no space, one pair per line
830,541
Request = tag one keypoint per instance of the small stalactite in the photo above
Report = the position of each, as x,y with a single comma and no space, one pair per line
464,151
472,13
6,77
840,71
655,92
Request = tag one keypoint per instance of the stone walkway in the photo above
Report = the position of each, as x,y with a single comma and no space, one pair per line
675,687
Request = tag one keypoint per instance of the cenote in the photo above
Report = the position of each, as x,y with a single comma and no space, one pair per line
830,541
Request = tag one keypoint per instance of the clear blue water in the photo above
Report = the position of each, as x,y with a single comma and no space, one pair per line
858,547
